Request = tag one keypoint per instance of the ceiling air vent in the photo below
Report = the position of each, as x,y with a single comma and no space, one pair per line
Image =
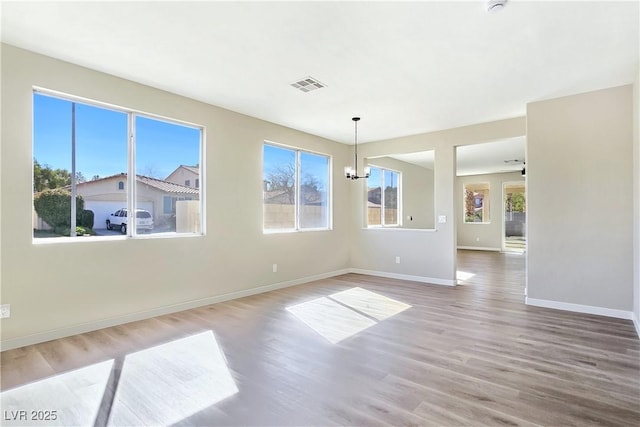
308,84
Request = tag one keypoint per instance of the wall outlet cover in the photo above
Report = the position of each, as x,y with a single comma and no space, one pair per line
5,311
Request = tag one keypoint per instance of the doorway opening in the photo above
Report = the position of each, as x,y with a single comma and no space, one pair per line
514,236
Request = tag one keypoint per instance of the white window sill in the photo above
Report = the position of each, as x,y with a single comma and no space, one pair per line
429,230
64,239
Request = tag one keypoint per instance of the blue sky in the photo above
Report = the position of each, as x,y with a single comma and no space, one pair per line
101,140
312,164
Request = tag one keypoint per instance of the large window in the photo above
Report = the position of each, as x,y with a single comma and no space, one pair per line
82,148
296,188
383,198
476,202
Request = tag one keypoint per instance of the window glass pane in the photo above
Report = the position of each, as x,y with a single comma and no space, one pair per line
314,191
101,164
167,155
374,197
167,205
476,202
279,193
390,198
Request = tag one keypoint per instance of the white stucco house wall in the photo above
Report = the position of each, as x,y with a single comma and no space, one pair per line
106,195
189,176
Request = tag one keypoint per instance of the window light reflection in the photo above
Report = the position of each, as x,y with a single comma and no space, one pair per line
463,275
375,305
344,314
171,382
71,398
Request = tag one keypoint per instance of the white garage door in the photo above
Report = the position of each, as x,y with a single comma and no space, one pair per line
102,210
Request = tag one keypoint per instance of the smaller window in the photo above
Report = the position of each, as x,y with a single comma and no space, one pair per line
197,183
383,204
187,183
296,186
476,202
167,205
120,185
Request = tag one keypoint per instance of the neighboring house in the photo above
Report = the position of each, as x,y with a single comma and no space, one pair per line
189,176
106,195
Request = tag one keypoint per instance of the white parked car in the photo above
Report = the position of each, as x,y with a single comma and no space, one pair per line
118,219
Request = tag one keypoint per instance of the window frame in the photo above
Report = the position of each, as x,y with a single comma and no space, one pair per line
382,199
130,186
296,205
486,219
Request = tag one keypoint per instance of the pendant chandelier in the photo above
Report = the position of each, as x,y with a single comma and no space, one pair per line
352,172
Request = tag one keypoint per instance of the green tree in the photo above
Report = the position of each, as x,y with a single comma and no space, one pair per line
518,202
54,207
46,178
469,205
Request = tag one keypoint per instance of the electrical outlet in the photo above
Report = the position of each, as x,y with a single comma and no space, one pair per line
5,311
397,260
275,268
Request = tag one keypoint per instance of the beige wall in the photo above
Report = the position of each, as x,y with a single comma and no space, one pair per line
180,175
62,285
489,235
56,286
423,254
417,192
580,209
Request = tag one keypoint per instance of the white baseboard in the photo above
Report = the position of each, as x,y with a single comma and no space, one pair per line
398,276
479,248
636,323
119,320
578,308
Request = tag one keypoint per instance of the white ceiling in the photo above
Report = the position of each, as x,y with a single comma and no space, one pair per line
404,67
425,159
507,155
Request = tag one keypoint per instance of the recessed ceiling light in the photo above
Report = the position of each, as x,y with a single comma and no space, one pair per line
307,84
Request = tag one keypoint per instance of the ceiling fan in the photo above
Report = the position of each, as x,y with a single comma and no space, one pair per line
516,164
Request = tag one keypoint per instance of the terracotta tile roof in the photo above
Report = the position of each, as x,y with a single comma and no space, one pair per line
167,187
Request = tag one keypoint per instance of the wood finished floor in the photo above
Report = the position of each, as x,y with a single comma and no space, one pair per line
469,355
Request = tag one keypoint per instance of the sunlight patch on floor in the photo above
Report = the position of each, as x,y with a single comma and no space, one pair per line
344,314
463,276
67,399
333,321
167,383
375,305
